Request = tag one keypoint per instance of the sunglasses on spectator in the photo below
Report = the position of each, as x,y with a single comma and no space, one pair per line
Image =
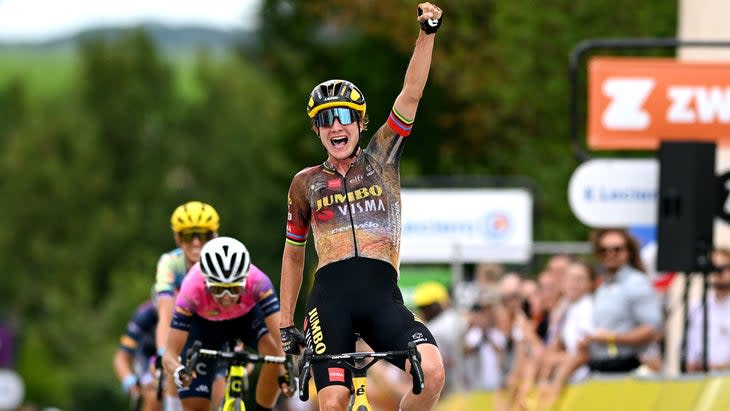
613,250
326,118
219,290
720,268
188,236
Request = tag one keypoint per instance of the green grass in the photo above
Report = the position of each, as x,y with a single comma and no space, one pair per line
49,73
46,73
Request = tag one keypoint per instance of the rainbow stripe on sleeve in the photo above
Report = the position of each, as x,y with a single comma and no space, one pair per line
401,125
296,236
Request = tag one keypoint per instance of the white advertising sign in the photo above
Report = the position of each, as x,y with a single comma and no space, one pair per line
467,225
615,192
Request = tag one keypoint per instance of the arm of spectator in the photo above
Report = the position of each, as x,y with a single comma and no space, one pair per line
567,367
646,310
552,356
640,335
472,340
513,378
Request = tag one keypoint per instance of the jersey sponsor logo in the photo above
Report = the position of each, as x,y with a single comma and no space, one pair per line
358,178
324,214
336,374
316,332
365,206
418,337
366,225
212,313
201,388
201,368
350,197
334,183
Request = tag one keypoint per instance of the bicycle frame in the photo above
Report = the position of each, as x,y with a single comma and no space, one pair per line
237,383
358,389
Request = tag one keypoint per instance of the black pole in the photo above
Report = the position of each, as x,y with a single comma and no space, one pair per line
585,46
685,325
705,320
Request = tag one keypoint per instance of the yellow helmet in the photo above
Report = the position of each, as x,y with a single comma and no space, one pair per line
195,214
336,93
429,293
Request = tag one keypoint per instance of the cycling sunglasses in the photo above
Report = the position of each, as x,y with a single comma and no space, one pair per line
326,118
218,290
188,236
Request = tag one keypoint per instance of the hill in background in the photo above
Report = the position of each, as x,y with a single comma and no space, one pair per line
172,40
47,68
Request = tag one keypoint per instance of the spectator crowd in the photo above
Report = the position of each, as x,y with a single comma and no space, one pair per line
527,336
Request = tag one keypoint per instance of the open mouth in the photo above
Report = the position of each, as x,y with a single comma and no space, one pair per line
339,141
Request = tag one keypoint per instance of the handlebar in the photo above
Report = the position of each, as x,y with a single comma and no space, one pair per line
245,357
191,357
412,354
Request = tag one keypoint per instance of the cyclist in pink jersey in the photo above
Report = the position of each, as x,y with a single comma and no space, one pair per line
193,224
351,203
223,299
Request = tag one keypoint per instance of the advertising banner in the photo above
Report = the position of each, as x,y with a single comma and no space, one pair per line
466,224
615,192
634,103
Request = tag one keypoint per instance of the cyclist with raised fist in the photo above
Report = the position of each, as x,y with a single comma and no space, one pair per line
351,203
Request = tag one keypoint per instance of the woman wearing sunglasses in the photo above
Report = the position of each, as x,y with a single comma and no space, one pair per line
193,224
224,298
351,203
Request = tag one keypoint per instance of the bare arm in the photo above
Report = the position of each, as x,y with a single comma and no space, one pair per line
417,72
122,367
272,323
166,304
292,268
566,368
175,342
640,335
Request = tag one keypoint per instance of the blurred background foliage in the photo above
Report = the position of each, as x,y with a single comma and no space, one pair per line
98,144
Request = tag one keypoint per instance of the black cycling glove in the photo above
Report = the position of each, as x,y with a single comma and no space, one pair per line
430,26
292,340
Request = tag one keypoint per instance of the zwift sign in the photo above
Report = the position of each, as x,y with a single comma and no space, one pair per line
634,103
466,225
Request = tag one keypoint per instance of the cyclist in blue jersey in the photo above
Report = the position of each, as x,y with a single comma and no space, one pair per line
132,359
351,203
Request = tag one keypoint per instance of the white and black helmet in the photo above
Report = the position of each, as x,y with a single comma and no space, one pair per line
224,260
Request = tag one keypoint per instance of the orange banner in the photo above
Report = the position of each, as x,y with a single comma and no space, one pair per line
635,103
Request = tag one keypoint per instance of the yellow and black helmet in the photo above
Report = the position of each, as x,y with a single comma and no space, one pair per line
195,214
335,93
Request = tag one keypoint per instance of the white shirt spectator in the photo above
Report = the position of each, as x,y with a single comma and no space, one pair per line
718,332
448,329
578,324
486,372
